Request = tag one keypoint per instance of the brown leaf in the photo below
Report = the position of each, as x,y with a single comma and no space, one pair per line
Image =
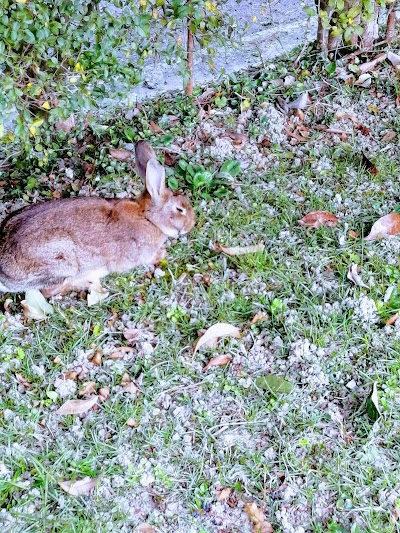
71,374
217,331
97,357
238,139
104,393
224,494
120,155
88,168
170,158
301,102
238,250
119,352
258,518
79,487
66,125
389,136
155,128
206,96
219,360
131,422
259,317
77,407
315,219
128,385
23,381
144,528
385,226
131,334
89,388
390,321
353,234
398,100
370,65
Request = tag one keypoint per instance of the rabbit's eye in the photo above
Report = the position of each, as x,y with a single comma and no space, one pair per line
180,209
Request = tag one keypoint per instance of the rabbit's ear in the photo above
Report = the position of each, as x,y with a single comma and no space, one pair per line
143,153
155,180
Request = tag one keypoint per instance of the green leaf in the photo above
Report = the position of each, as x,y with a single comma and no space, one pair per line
173,183
231,167
331,68
340,5
372,405
274,384
52,395
129,133
309,11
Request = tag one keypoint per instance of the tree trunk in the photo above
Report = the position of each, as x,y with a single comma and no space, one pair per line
371,30
189,66
322,33
390,26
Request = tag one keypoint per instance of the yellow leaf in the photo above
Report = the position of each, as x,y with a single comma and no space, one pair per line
79,67
143,3
254,19
245,105
21,1
46,105
155,14
34,126
29,84
211,6
73,79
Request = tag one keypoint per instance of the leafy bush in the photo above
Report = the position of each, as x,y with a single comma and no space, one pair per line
57,56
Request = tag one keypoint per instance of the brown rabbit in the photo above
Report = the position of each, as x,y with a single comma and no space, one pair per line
69,244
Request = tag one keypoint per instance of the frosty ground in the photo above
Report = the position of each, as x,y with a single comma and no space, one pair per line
312,460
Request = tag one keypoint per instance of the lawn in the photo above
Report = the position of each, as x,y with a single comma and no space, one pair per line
183,448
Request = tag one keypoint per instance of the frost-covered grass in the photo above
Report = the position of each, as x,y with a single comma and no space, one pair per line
313,460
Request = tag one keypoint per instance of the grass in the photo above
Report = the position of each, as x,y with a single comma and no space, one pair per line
312,460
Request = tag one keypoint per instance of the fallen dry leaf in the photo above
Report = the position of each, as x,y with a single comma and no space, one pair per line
89,388
389,136
97,357
77,407
301,102
353,275
259,317
104,393
394,59
385,226
131,334
79,487
128,385
96,294
390,321
35,305
66,125
119,352
144,528
238,250
120,155
364,80
155,128
23,381
258,518
217,331
370,65
224,494
239,139
219,360
353,234
131,422
71,374
315,219
57,360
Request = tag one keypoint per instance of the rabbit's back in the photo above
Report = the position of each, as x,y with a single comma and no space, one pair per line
64,238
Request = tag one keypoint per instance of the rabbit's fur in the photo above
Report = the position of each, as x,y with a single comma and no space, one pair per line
69,244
